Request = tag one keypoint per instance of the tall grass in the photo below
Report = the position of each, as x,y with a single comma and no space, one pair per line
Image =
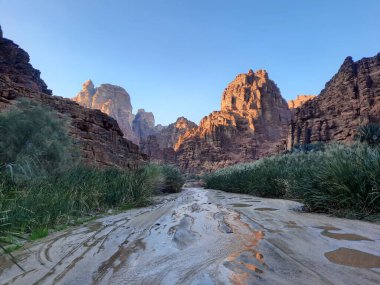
81,191
337,179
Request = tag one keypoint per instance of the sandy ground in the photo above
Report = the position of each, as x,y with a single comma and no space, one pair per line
205,237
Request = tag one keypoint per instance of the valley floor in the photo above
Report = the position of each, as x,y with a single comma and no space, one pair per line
205,237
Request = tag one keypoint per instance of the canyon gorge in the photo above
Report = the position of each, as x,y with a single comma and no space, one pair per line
254,120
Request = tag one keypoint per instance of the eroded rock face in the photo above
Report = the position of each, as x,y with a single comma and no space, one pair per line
99,137
160,146
169,135
350,99
299,101
15,67
112,100
251,124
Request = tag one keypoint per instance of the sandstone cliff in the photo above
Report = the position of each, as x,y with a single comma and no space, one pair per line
99,137
160,146
252,123
111,100
169,135
350,99
299,101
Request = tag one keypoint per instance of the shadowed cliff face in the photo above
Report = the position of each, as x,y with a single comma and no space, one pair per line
350,99
98,135
15,67
144,124
252,123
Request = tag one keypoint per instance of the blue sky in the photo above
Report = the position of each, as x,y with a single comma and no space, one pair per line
175,57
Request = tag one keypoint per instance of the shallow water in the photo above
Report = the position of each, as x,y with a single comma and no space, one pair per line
240,205
354,258
266,209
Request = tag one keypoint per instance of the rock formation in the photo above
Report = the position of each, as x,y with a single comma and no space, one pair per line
160,146
111,100
251,124
15,66
99,137
169,135
350,99
298,102
144,124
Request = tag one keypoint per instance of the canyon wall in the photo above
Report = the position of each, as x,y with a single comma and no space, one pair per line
350,99
98,136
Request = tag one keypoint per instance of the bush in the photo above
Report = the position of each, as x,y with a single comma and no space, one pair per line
337,179
173,179
34,142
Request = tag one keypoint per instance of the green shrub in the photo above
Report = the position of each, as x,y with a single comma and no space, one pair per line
173,179
348,184
337,179
34,142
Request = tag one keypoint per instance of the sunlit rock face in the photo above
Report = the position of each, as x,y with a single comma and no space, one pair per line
98,136
251,124
350,99
160,146
299,101
169,135
111,100
15,67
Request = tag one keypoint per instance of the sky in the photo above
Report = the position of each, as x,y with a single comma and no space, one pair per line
175,57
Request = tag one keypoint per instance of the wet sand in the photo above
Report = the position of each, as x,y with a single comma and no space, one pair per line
204,237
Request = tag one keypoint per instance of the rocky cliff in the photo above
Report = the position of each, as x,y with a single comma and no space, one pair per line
169,135
160,145
350,99
111,100
99,137
299,101
251,124
15,67
144,124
